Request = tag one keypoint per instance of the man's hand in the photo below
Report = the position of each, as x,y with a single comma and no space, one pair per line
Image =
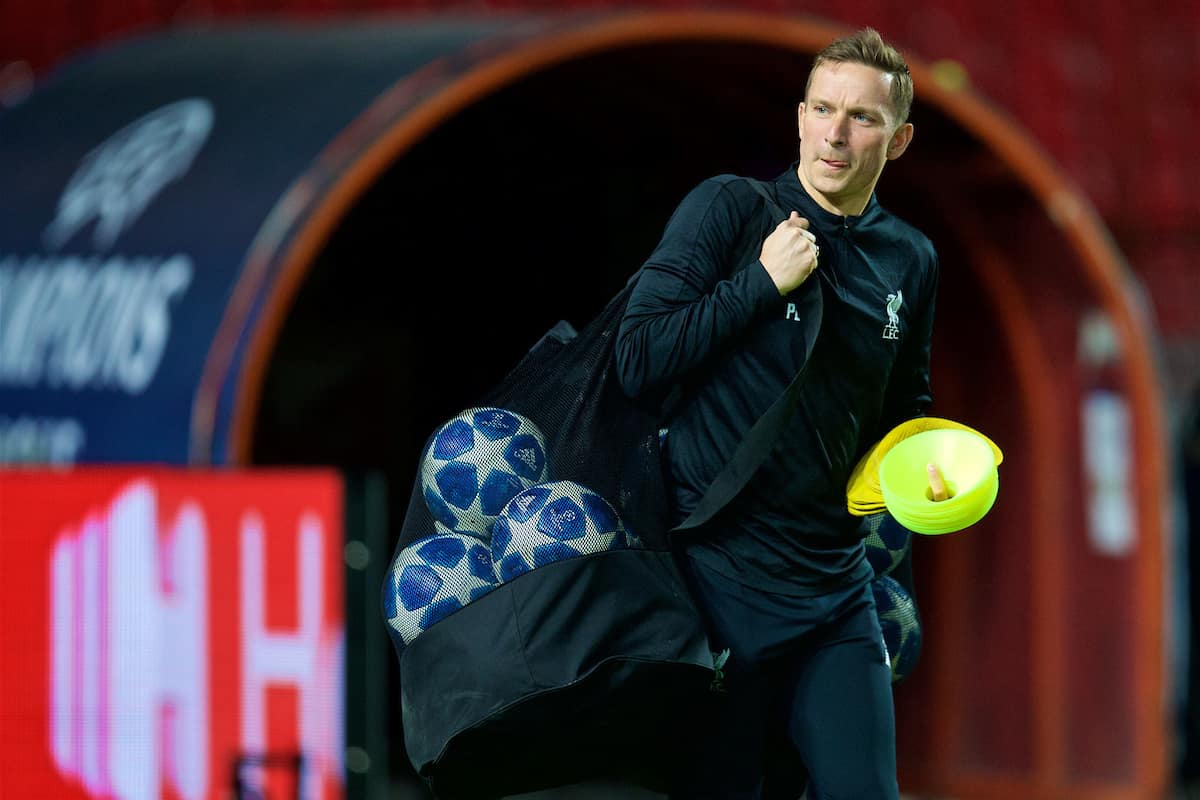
790,253
937,485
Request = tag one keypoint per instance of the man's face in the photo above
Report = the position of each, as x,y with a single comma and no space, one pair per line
848,131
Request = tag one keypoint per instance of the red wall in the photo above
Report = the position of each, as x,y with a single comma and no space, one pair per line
1107,87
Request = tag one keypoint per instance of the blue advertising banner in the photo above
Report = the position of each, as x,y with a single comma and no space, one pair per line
134,187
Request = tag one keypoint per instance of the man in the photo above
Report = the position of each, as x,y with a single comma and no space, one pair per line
780,575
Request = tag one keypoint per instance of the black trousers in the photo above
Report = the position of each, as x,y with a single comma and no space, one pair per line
803,699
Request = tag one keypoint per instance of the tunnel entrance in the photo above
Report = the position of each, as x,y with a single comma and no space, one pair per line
535,205
537,202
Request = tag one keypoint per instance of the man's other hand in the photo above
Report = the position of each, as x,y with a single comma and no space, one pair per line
937,484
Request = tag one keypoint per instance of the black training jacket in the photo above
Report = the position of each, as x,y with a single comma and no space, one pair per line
705,314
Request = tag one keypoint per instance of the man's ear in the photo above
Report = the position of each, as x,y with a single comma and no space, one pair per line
800,118
899,141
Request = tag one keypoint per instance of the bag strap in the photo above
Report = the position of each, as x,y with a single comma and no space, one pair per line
763,434
772,204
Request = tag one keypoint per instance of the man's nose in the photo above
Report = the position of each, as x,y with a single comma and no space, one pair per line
835,135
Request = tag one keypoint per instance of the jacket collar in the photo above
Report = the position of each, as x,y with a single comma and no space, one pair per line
793,195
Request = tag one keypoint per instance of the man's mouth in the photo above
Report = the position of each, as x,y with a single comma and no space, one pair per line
835,164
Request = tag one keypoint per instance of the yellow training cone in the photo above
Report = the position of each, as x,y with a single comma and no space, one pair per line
863,495
967,461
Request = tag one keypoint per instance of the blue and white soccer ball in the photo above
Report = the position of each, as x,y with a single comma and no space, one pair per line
476,462
887,542
432,578
900,623
552,522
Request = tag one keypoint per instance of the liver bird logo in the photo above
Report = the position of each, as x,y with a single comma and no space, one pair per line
894,301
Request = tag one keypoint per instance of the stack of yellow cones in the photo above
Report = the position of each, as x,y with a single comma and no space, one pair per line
892,476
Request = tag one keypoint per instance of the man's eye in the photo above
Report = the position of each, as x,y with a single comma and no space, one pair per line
864,118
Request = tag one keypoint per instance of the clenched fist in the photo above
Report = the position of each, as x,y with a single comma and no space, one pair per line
790,253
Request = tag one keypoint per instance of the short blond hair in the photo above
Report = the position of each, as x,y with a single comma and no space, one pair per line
867,47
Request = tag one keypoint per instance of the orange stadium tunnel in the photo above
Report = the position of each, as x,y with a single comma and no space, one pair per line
395,245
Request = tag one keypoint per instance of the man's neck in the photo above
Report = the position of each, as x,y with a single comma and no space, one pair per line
854,209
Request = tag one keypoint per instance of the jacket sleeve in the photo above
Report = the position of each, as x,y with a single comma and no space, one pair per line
909,393
691,300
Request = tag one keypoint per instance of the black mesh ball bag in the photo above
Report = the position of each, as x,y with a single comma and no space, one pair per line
543,632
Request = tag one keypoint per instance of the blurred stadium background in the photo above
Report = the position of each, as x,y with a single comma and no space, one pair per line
252,252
